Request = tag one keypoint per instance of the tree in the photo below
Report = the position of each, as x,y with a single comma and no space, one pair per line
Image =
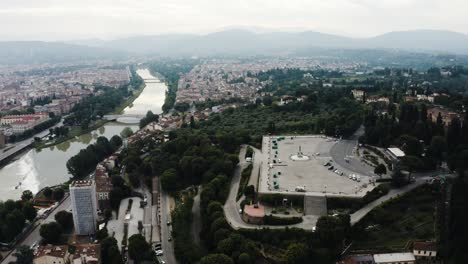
58,194
126,132
169,180
107,214
51,232
110,251
249,191
24,255
27,195
102,234
29,211
47,192
297,253
437,148
65,219
115,142
115,196
380,169
244,258
331,231
216,259
138,248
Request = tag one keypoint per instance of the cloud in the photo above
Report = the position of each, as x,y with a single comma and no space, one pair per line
71,19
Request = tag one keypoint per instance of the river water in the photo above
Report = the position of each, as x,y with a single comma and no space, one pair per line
47,167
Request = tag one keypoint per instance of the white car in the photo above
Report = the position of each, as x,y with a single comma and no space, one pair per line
159,253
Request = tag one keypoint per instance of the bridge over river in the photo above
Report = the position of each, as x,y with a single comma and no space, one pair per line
152,80
124,118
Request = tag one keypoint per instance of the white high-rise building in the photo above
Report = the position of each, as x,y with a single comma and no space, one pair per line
84,204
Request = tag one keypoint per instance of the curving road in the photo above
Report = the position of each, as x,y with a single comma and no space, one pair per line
231,207
341,149
346,148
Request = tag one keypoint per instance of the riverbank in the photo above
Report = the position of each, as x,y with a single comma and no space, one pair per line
130,100
77,131
36,169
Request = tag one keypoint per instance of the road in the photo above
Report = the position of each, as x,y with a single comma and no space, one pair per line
346,148
34,236
196,218
147,213
420,179
20,145
165,215
231,207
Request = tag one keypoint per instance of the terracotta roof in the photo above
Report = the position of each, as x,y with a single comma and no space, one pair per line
88,253
254,210
50,250
427,246
103,182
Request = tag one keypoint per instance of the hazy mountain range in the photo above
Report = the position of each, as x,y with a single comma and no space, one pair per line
235,41
232,42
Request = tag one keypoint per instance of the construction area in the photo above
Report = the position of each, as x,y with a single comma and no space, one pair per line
302,165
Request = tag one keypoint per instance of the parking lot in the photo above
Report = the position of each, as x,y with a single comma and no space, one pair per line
300,164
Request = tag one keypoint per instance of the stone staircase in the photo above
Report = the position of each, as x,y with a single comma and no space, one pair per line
315,205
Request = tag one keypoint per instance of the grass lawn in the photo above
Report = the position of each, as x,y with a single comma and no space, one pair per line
245,176
392,225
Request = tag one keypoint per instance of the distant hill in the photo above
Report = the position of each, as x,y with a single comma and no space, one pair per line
230,42
422,40
26,52
241,41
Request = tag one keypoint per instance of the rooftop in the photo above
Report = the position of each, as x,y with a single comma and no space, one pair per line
256,210
51,250
427,246
82,183
397,152
87,253
394,257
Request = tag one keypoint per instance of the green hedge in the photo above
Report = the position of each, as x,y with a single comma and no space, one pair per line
274,220
277,199
356,203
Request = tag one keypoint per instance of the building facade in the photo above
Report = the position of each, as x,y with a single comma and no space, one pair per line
84,204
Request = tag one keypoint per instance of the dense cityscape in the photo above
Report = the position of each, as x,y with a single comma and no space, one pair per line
242,145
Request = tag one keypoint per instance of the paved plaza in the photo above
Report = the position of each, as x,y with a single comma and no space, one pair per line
303,164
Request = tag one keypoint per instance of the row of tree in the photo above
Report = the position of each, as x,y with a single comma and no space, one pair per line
171,70
150,117
425,143
14,216
38,128
86,160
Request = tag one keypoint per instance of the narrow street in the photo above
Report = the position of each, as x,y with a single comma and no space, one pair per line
165,215
34,236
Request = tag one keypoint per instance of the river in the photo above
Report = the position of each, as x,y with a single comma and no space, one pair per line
47,167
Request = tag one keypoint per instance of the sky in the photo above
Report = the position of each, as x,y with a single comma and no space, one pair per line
56,20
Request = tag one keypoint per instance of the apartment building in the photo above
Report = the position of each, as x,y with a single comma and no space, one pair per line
84,204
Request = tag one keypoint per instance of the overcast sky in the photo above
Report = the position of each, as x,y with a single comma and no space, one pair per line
79,19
